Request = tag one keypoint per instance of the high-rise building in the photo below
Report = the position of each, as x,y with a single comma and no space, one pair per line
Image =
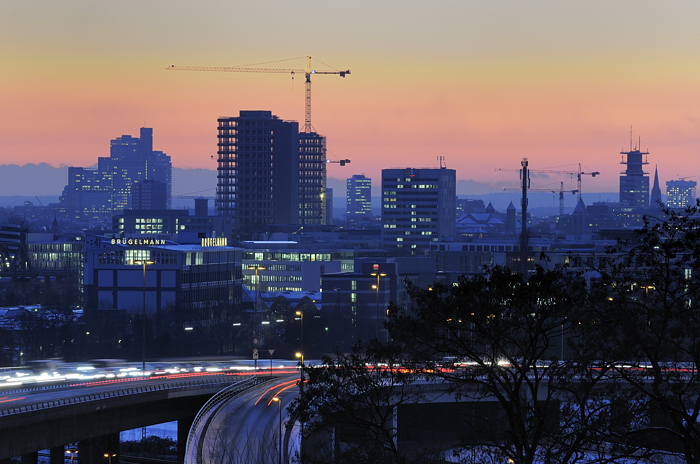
149,195
634,182
133,159
418,207
312,178
96,194
680,193
88,194
258,166
358,199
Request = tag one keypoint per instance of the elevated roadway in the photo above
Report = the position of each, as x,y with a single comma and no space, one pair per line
93,413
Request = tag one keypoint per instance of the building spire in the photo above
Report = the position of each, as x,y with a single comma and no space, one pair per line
655,190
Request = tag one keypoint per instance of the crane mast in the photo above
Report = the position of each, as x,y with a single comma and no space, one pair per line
578,174
525,178
308,128
561,194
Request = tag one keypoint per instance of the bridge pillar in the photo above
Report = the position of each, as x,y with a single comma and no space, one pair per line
183,429
57,455
93,451
31,458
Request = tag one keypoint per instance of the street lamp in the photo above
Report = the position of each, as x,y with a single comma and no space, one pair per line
301,397
110,456
143,311
257,268
376,287
279,405
301,337
301,355
72,454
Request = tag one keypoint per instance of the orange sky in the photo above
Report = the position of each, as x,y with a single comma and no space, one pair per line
483,84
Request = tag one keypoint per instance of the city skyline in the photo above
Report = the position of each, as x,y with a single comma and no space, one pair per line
483,85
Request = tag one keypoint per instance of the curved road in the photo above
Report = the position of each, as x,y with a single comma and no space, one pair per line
251,427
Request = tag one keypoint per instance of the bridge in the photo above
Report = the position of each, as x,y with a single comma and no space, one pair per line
219,415
93,414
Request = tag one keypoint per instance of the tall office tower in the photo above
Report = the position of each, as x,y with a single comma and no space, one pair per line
358,199
148,194
655,190
88,194
634,182
95,194
257,173
132,159
418,207
312,178
680,193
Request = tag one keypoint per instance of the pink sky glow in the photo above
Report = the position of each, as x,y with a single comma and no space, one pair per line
483,84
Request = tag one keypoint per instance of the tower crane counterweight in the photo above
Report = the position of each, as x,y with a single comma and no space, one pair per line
308,128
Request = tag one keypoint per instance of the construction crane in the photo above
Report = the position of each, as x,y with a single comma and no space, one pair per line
308,128
578,174
342,162
561,194
525,179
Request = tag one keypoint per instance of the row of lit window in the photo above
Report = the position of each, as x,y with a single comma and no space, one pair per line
148,221
264,256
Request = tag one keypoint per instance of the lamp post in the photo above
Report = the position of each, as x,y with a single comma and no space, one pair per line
279,405
301,355
257,268
109,456
376,287
301,399
143,313
301,335
72,454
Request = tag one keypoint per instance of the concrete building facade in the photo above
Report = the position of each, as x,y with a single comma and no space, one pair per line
258,165
418,207
194,278
634,182
96,194
358,199
312,179
680,193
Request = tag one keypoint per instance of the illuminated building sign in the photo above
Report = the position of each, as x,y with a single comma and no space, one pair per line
137,241
214,242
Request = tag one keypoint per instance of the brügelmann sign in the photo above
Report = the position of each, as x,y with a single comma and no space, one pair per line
137,241
214,242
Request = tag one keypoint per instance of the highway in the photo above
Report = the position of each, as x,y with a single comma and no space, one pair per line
251,427
69,403
25,386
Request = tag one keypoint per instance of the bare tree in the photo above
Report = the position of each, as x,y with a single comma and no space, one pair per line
498,339
354,398
648,313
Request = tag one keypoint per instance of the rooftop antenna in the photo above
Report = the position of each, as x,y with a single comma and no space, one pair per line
630,137
441,160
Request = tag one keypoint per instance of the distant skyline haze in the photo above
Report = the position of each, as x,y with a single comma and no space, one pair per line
483,84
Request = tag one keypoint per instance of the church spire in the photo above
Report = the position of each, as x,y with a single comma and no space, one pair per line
656,190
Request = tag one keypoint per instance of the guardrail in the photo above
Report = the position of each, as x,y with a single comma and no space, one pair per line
207,412
72,400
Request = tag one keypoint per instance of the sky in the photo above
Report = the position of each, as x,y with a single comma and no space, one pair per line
483,84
